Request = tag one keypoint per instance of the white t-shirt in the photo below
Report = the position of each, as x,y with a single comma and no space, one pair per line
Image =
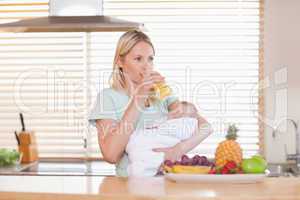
143,161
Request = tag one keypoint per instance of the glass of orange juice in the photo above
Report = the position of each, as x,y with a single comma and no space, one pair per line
160,92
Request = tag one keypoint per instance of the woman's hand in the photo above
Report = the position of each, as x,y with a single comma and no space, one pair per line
172,153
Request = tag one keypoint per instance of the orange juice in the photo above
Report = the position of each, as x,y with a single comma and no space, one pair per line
162,90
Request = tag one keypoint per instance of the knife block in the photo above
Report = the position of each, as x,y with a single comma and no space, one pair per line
28,147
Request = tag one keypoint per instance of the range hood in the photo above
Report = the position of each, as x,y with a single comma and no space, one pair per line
70,24
72,16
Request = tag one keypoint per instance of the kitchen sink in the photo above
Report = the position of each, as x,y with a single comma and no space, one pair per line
283,169
80,168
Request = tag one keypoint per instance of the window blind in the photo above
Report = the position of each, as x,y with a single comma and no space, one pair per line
207,50
41,75
14,10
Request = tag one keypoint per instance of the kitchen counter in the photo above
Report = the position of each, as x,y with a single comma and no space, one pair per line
61,168
96,187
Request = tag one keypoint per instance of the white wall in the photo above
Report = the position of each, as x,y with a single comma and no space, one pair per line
282,72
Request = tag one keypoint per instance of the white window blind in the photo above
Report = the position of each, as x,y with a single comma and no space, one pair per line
207,50
41,75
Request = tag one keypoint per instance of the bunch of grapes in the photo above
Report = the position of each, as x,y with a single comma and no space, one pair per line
197,160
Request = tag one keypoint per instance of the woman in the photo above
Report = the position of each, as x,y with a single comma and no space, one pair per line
125,106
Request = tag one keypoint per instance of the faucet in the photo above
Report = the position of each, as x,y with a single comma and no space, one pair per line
295,157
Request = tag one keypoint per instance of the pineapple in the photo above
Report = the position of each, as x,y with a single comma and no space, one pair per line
229,149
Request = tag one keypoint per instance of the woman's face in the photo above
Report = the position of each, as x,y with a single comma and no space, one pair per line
138,62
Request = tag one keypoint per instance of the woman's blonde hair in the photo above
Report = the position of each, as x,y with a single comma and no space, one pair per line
126,42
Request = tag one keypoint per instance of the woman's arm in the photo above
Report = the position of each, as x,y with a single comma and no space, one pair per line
113,136
175,152
203,131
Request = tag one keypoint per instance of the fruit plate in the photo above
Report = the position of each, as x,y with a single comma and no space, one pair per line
216,178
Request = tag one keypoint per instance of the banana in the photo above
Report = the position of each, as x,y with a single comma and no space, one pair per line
190,169
167,168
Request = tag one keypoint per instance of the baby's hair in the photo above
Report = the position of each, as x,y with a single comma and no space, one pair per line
188,108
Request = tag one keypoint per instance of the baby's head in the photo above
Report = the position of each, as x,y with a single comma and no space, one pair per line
185,109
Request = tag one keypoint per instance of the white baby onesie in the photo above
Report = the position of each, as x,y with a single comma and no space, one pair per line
143,161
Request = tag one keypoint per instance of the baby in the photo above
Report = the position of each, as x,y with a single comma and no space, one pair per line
143,161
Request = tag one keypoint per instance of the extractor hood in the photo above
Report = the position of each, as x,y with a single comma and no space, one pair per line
70,24
72,16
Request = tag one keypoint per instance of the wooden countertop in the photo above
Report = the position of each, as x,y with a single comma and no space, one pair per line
92,187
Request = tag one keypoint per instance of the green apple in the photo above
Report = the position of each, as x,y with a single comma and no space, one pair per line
260,159
254,165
